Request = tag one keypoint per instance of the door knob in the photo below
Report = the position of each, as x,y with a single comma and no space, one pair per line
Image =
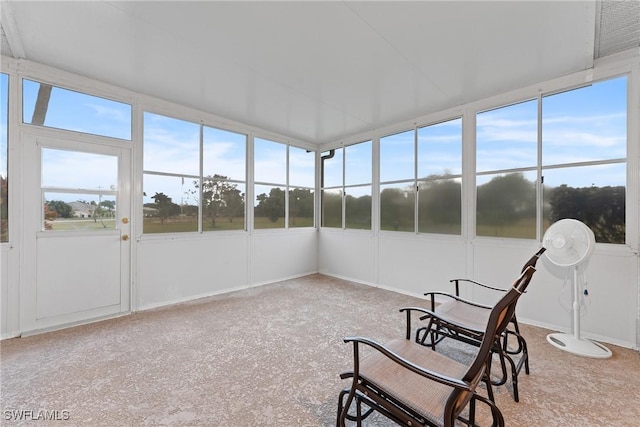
125,237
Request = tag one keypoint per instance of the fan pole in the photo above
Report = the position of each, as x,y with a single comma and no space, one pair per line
573,343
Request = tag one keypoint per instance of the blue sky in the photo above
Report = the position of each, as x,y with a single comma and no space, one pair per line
579,125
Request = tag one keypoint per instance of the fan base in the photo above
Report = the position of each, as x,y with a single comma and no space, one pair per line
578,346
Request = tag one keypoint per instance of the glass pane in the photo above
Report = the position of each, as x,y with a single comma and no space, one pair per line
440,206
332,169
507,137
46,105
301,207
585,124
75,211
440,149
4,160
224,154
77,170
358,207
397,156
397,207
223,205
270,162
302,167
171,145
170,204
332,208
506,205
357,167
269,207
594,195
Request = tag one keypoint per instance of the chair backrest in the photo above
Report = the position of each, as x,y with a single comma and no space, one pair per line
499,319
534,259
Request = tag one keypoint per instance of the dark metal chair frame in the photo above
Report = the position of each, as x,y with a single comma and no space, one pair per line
441,326
394,398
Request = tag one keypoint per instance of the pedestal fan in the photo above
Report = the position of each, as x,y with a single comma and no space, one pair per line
569,244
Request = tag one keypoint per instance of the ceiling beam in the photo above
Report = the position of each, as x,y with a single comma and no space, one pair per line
10,28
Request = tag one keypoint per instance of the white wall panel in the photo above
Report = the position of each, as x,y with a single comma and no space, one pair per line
9,292
276,256
417,265
181,269
350,255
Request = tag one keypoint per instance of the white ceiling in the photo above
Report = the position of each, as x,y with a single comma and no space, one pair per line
315,71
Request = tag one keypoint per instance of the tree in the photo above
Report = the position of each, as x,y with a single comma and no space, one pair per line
271,206
220,198
301,204
166,208
61,209
506,199
601,208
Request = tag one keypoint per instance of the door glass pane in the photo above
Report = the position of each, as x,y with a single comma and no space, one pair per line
79,211
51,106
79,190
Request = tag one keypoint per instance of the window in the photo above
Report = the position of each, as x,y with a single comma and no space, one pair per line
301,187
270,173
51,106
4,157
440,178
171,180
346,186
506,165
582,167
78,201
178,196
397,181
421,175
284,182
223,182
584,149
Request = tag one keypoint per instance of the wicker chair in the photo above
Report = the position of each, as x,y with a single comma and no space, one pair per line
465,321
414,387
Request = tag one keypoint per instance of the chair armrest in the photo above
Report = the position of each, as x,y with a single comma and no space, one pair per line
424,372
432,296
434,316
456,282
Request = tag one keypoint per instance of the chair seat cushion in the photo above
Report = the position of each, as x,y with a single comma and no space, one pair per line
424,396
471,316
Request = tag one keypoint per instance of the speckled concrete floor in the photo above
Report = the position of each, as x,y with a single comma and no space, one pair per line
270,356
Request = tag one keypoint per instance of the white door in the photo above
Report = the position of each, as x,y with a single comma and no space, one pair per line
77,210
